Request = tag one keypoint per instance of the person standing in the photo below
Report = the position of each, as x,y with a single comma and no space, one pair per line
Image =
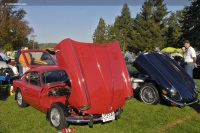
189,58
7,60
22,61
156,50
17,64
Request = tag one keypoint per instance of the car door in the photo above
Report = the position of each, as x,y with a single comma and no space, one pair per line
33,89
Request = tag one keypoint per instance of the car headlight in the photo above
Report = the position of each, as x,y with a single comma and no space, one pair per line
174,94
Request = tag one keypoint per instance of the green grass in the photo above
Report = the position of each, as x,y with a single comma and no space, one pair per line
136,118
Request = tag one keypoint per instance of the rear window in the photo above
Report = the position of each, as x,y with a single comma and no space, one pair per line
54,76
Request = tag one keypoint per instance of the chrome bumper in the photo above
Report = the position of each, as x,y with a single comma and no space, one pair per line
91,118
179,103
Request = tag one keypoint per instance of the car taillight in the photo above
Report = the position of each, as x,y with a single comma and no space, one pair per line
85,107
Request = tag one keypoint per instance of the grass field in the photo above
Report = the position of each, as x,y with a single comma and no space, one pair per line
136,118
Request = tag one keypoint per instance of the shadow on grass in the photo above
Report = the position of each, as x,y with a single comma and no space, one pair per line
86,124
4,93
196,107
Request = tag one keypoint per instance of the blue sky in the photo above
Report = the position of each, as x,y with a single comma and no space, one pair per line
52,24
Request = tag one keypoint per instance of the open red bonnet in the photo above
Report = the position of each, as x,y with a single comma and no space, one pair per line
99,77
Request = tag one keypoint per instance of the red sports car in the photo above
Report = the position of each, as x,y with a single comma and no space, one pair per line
90,83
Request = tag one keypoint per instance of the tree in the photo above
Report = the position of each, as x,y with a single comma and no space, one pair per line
191,24
174,32
123,28
110,33
13,28
8,47
149,26
99,35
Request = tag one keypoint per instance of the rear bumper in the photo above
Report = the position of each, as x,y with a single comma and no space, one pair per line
181,104
91,118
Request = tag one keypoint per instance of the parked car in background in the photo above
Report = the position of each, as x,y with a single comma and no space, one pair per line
160,77
37,58
197,53
196,71
89,84
5,69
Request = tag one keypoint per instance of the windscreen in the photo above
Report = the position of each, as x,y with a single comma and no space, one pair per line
38,58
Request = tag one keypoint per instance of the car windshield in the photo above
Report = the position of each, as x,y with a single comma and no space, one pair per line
54,76
38,58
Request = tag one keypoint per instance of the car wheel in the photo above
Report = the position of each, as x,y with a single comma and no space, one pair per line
57,116
149,94
20,100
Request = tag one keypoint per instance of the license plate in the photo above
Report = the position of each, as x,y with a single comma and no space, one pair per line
108,117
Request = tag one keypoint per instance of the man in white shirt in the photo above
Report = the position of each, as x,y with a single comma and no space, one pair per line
189,58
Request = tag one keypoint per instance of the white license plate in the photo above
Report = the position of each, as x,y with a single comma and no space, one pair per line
108,117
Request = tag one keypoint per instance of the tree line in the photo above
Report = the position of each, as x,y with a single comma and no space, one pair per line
14,30
153,26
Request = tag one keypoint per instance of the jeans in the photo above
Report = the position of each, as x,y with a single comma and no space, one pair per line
189,69
22,69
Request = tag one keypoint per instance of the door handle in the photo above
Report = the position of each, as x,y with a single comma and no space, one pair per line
25,88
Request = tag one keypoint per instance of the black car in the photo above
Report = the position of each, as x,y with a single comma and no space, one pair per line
196,71
160,77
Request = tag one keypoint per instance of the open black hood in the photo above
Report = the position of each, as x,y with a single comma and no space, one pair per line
167,74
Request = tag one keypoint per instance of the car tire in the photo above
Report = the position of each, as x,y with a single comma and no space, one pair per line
20,100
149,94
57,116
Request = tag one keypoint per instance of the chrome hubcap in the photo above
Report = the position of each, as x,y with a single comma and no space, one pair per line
19,98
55,117
148,95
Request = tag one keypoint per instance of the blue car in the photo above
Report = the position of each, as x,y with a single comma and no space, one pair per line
160,77
196,71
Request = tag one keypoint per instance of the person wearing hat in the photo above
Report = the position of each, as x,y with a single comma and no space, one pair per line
189,58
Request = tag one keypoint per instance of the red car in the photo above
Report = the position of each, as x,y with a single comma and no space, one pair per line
91,83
